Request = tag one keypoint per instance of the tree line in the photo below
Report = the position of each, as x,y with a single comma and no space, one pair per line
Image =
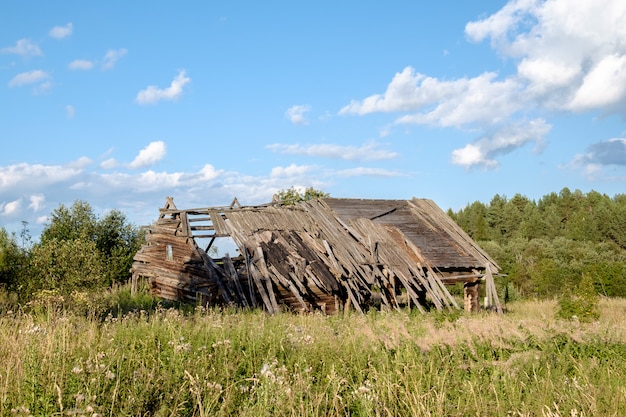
547,247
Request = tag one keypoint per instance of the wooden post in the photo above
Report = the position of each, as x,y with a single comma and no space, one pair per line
133,284
470,296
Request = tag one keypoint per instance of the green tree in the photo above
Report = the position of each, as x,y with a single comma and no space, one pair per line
496,218
117,241
580,303
65,266
70,223
292,195
12,260
112,240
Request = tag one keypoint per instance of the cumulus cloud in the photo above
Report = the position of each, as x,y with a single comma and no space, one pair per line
109,163
60,32
603,86
112,56
29,77
444,103
23,47
209,173
296,114
292,170
36,202
568,55
7,209
80,64
501,142
367,152
34,177
153,94
149,155
568,50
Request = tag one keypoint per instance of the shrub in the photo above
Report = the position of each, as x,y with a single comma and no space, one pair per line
581,304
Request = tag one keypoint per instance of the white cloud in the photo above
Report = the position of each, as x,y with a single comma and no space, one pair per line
292,170
408,90
367,152
29,77
33,177
499,25
109,163
60,32
23,47
571,53
209,173
296,114
70,111
81,163
501,142
36,202
153,94
446,103
80,64
112,56
480,100
149,155
569,56
603,86
151,180
10,208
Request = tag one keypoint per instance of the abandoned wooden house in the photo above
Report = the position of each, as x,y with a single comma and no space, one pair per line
326,254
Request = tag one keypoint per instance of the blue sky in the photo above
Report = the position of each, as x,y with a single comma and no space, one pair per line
121,104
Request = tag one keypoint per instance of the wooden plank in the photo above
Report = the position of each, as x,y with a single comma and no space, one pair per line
492,284
260,259
229,269
214,275
218,222
289,285
256,275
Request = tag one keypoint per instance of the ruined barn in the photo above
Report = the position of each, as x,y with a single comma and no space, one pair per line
326,254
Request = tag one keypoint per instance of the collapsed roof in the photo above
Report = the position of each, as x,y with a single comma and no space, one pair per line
324,254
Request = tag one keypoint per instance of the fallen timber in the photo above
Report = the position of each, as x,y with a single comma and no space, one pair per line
324,254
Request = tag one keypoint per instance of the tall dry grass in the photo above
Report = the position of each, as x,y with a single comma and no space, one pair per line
223,362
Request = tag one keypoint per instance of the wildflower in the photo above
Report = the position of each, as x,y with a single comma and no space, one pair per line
365,391
20,410
214,386
266,371
225,343
110,375
184,347
77,370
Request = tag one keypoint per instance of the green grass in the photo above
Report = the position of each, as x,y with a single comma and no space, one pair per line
144,358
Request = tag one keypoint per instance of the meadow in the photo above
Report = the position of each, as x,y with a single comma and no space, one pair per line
193,361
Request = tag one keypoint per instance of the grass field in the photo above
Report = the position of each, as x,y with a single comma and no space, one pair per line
212,362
